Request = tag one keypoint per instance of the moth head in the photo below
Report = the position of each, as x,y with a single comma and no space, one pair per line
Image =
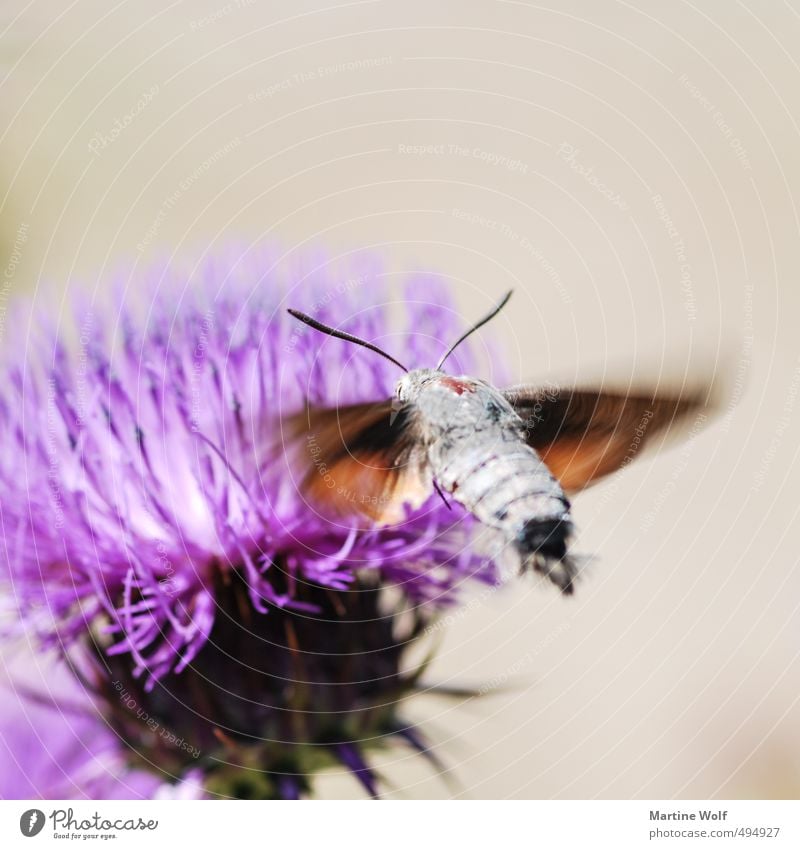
410,384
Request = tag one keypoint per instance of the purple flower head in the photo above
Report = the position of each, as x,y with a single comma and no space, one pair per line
151,518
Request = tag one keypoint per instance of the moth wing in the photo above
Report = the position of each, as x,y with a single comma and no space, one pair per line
361,459
582,435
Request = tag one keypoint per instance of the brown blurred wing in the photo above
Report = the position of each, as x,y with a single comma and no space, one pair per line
583,435
360,459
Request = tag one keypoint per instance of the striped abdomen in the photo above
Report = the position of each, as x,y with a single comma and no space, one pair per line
502,481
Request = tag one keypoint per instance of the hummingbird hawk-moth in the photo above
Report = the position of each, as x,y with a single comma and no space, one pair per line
510,457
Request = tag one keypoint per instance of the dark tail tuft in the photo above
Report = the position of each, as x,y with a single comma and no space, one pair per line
548,538
543,545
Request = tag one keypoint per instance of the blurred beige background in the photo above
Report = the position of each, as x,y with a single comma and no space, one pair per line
631,169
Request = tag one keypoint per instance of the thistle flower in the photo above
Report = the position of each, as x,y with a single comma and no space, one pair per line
154,534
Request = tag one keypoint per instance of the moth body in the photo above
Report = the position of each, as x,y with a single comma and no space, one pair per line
474,446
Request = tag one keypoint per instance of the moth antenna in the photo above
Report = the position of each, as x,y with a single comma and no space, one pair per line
475,326
340,334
